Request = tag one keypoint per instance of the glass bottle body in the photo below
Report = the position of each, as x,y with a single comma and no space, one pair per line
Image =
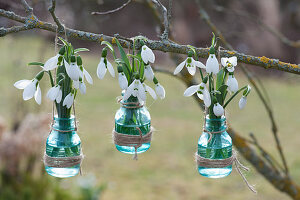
128,119
219,147
63,144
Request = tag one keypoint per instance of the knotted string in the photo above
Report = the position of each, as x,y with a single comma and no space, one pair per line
221,163
132,140
130,105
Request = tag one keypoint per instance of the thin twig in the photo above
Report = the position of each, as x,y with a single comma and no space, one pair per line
274,32
112,11
165,34
60,27
28,9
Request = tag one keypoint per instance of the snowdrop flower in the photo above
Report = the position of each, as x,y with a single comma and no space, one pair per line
150,91
68,101
229,63
103,65
52,63
72,69
80,85
123,81
212,65
85,74
147,55
31,89
55,94
243,102
218,110
232,83
202,93
190,64
160,90
135,89
149,73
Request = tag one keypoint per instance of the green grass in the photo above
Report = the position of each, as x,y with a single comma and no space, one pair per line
167,170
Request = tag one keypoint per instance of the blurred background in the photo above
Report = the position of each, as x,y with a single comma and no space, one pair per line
167,170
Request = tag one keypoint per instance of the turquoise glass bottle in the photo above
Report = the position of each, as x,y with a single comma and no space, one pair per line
130,117
63,144
220,147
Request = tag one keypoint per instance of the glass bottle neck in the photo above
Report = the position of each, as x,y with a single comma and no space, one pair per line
64,124
215,125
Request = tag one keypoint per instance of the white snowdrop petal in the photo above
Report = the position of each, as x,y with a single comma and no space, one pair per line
200,96
76,84
233,60
82,87
129,91
230,69
88,77
123,81
243,102
212,65
73,72
110,69
51,63
151,91
38,95
199,64
59,96
68,101
101,69
232,84
147,55
141,91
192,70
52,93
149,74
179,67
206,98
160,91
218,110
191,90
22,84
224,61
29,90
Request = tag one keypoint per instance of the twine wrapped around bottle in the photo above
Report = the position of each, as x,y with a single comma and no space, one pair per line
132,140
221,163
62,162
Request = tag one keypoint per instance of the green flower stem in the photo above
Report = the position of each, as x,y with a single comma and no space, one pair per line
236,93
51,78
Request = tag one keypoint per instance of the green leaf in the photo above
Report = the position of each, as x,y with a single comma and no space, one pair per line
36,63
80,49
123,54
220,77
64,41
126,72
109,45
221,97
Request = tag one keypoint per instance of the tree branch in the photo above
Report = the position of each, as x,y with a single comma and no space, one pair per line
112,11
166,17
164,46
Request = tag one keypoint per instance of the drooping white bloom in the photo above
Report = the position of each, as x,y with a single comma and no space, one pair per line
51,63
212,64
82,87
150,91
103,65
85,74
190,64
147,55
160,91
123,81
229,63
38,95
202,93
218,110
73,70
232,83
243,102
31,89
55,93
68,101
149,74
135,89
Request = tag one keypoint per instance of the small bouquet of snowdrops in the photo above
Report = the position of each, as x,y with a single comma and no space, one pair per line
216,84
69,78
